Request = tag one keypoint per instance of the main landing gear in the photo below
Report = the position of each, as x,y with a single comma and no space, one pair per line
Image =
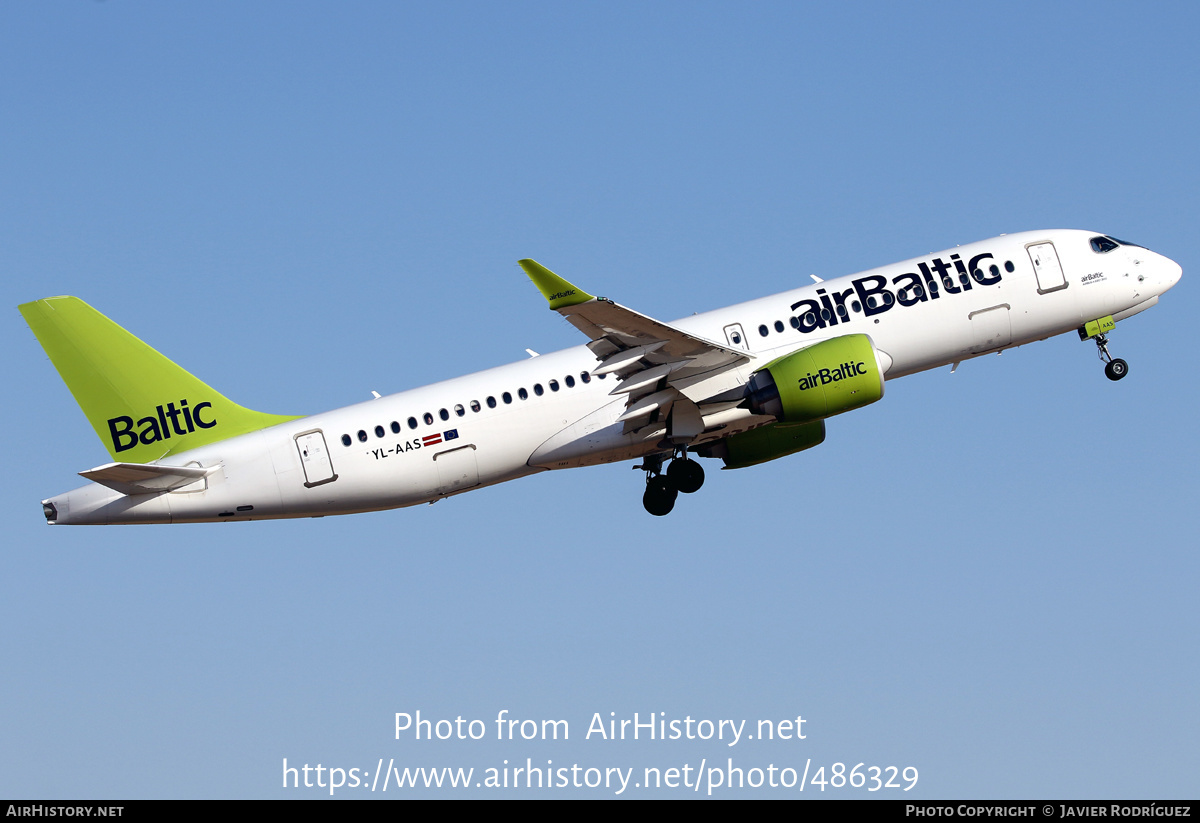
1114,369
683,475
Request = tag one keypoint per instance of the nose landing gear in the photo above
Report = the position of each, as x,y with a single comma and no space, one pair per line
1114,368
683,475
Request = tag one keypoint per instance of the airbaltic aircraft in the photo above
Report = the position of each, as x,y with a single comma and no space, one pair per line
744,384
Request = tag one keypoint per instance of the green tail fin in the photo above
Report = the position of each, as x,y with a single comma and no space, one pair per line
142,406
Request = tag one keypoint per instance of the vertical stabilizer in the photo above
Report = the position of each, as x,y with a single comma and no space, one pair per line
142,406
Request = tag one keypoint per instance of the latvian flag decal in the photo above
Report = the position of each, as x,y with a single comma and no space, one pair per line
434,439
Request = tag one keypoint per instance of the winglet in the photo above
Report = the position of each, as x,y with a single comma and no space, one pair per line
559,292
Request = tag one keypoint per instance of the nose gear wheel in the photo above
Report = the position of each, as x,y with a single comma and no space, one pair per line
1114,368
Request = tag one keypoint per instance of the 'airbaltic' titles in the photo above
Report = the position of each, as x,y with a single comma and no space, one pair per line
826,376
873,296
153,429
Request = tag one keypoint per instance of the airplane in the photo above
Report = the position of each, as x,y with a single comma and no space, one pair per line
744,385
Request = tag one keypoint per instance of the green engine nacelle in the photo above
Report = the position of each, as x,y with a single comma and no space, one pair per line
800,390
765,443
817,382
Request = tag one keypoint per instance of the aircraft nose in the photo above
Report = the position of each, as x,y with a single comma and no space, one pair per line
1174,271
1166,272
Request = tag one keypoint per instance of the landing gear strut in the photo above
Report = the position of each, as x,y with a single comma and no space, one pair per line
683,475
1114,369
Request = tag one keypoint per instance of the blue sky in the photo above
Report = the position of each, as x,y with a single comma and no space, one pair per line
988,576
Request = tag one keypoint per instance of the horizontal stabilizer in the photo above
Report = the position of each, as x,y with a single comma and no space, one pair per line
144,478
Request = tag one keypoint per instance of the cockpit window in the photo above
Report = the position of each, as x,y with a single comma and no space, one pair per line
1107,243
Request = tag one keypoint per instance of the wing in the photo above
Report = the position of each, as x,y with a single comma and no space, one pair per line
657,365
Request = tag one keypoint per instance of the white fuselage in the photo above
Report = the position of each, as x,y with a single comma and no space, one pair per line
304,468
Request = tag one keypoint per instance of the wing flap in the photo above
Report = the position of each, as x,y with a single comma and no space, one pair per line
629,357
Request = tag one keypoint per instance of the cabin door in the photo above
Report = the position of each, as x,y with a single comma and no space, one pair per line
1046,266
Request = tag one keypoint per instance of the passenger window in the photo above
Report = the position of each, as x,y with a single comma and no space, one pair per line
362,436
395,427
570,382
475,406
491,401
346,441
778,325
538,390
412,422
553,385
459,410
762,330
585,377
428,419
379,431
521,393
506,397
1009,267
442,413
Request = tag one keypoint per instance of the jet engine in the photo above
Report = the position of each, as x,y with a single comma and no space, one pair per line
819,381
